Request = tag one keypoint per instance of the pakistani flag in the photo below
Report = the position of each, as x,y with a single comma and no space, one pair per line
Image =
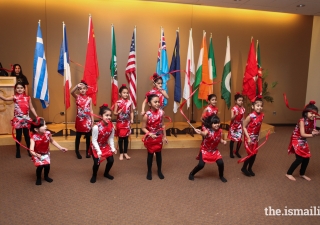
226,77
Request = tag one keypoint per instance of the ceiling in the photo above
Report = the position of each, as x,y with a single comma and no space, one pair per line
312,7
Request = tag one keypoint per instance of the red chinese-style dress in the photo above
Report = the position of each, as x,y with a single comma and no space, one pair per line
209,111
253,129
21,117
235,130
123,118
83,118
104,133
208,148
154,125
41,146
299,144
156,92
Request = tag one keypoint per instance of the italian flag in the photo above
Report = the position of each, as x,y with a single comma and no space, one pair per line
226,77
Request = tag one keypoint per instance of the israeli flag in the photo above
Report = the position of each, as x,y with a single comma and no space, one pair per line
40,73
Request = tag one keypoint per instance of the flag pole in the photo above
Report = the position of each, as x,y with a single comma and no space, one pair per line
192,103
212,59
160,48
111,61
65,94
136,111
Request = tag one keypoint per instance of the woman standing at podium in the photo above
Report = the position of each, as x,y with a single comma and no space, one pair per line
21,78
21,120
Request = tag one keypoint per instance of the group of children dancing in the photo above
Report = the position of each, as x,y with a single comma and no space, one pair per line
102,146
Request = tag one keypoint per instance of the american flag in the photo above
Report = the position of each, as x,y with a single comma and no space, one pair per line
131,71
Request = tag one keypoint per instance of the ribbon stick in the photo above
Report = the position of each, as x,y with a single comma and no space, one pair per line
254,151
78,64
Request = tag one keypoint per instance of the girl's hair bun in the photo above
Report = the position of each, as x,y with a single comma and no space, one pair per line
83,82
312,102
104,105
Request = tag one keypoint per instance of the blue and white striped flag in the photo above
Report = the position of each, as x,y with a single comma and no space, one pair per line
40,73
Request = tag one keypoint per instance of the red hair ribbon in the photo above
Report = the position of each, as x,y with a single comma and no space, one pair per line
258,96
238,93
124,85
254,151
37,123
104,105
312,102
184,102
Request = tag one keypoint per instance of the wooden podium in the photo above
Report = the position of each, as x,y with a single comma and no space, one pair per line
6,107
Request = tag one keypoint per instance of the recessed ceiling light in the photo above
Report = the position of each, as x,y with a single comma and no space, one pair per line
301,5
237,0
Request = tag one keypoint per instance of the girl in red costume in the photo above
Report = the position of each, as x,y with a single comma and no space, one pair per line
152,125
209,152
39,148
304,129
84,118
21,120
235,130
102,146
157,90
211,109
124,113
251,127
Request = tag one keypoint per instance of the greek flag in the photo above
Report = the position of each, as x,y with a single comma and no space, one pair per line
40,73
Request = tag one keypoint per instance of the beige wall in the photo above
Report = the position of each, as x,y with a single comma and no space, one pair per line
313,92
284,42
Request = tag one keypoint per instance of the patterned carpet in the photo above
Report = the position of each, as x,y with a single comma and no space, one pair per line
132,199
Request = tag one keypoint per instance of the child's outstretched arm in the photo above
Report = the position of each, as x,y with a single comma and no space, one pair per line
202,133
111,142
32,108
303,133
6,98
57,145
